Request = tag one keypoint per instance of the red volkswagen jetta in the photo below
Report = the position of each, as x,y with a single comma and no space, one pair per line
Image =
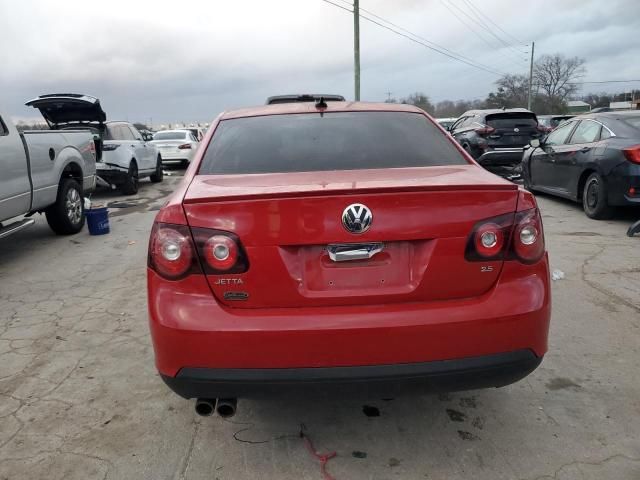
312,245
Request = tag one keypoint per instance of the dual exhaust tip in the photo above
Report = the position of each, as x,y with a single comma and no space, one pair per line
225,407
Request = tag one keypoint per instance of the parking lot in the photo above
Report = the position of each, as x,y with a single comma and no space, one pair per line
80,397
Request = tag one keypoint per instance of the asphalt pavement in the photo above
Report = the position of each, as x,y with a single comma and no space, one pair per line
80,397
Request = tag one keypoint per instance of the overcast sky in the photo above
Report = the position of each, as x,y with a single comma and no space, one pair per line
189,60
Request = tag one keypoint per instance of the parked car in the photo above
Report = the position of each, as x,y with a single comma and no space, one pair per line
496,138
593,159
304,97
549,122
343,245
176,145
127,158
45,171
446,122
198,132
124,157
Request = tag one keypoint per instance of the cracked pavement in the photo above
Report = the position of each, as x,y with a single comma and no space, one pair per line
80,398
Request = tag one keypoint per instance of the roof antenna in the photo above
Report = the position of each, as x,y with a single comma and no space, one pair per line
321,103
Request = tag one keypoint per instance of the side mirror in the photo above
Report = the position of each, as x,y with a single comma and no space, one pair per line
535,142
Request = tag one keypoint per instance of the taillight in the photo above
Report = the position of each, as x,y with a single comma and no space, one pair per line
220,251
484,130
185,146
108,147
632,154
171,251
528,237
516,236
489,239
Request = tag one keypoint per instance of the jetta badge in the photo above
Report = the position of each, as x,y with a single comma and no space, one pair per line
357,218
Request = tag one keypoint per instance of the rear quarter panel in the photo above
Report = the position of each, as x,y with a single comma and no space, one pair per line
70,147
15,187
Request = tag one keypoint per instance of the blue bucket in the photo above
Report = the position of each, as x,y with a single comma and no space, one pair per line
97,220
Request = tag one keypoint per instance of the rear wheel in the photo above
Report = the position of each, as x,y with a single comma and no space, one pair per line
130,185
66,216
594,198
158,175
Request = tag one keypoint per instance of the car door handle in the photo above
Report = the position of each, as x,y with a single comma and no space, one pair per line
584,149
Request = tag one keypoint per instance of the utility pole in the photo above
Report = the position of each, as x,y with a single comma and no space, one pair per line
356,48
533,46
389,96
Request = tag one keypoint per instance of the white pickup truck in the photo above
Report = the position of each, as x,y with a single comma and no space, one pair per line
45,171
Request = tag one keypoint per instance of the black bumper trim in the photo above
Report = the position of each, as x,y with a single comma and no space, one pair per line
495,370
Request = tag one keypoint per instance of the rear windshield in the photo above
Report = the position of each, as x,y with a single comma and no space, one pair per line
512,120
555,121
331,141
169,135
633,122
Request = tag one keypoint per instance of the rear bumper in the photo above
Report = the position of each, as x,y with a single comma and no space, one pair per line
191,331
619,181
503,156
447,375
112,175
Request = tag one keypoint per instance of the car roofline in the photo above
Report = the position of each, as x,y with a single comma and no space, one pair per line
309,107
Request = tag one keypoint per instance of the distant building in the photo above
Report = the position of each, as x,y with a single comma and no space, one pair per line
620,105
578,106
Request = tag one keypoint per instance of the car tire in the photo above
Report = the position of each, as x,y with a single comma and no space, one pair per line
66,216
158,175
594,198
470,150
130,185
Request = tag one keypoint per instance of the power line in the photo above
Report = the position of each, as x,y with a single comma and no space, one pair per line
423,43
488,29
605,81
495,24
473,30
339,6
436,45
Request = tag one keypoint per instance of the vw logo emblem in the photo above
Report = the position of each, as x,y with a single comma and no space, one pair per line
516,129
357,218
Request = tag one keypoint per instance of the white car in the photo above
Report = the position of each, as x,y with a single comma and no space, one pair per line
175,145
126,157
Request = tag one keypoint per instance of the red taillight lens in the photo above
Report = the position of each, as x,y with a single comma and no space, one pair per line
484,130
632,154
186,146
220,251
488,240
528,237
518,237
171,252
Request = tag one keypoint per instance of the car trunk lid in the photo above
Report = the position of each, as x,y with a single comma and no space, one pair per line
290,225
512,129
65,109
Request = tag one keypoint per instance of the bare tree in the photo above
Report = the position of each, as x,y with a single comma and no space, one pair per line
420,100
512,92
555,76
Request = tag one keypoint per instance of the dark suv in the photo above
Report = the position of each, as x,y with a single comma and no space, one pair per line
495,138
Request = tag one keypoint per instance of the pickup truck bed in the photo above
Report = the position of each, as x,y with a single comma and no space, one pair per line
45,171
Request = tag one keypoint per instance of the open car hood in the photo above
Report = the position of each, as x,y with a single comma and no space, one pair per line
66,109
